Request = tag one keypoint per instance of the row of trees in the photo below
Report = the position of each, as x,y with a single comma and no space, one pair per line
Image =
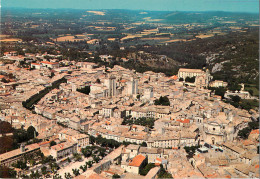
163,101
104,142
143,121
37,97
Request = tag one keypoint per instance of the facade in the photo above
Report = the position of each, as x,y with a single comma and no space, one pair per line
184,73
50,64
8,158
111,85
82,141
132,86
63,149
218,83
36,65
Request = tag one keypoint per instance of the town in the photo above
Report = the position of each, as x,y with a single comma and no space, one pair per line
79,119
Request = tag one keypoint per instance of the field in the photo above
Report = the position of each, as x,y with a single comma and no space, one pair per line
67,38
10,40
203,36
97,13
156,38
4,36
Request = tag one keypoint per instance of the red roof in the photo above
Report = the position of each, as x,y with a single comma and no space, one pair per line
174,77
35,63
51,63
184,120
137,160
255,131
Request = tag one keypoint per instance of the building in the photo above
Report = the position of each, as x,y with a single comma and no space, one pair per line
50,64
111,85
8,158
218,83
82,141
134,165
36,65
63,149
132,86
184,73
148,93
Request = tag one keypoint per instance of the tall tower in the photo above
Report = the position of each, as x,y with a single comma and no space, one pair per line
132,86
112,86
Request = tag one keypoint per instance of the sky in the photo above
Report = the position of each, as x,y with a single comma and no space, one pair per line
251,6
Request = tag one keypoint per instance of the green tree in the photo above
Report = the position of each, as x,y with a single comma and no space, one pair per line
52,143
163,173
57,176
146,169
31,132
144,144
44,170
116,176
77,156
164,101
35,175
68,175
75,172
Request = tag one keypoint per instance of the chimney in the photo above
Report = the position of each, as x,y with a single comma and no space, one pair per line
22,147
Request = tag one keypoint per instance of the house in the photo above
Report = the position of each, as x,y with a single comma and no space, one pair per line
82,141
63,149
134,165
151,153
36,65
50,64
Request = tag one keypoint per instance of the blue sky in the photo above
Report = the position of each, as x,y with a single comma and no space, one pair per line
165,5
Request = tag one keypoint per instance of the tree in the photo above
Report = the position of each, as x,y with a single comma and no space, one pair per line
57,176
20,164
52,143
44,170
144,144
98,81
32,162
89,163
77,156
35,174
31,132
75,172
116,176
164,101
163,173
54,167
68,159
191,80
68,175
146,169
83,167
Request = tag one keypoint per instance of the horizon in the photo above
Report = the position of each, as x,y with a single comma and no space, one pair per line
201,11
239,6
